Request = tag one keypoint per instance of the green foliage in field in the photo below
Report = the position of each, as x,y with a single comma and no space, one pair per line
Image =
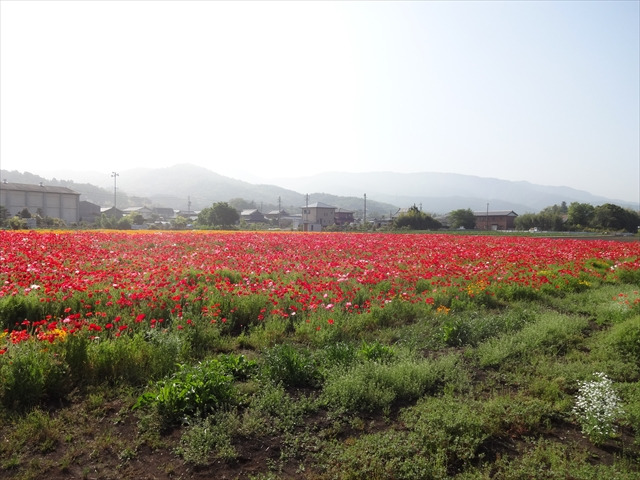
293,367
209,437
624,339
15,309
374,386
32,376
551,333
196,390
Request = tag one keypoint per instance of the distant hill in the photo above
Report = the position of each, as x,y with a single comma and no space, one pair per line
436,193
443,192
176,186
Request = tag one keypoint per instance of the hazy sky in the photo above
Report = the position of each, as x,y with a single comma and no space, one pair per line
544,91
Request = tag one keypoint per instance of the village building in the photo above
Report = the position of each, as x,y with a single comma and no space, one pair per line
164,213
276,214
342,216
48,201
112,212
146,212
317,215
284,219
252,215
89,211
495,220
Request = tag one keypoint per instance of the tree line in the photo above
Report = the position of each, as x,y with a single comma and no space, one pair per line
581,217
556,218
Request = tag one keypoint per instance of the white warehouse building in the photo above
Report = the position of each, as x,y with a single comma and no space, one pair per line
54,202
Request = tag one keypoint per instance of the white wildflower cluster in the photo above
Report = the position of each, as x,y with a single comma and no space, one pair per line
597,408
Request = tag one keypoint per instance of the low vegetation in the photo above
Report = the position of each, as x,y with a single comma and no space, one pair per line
274,373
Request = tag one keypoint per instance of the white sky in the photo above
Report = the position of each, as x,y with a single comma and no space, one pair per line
547,92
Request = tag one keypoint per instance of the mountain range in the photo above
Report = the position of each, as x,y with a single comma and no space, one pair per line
184,186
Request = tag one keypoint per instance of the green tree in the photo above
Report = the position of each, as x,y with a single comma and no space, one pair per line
135,219
179,223
25,213
526,221
614,217
415,219
550,220
463,218
580,215
16,223
107,221
124,224
4,214
219,214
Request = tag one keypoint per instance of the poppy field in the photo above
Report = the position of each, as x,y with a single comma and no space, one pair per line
288,355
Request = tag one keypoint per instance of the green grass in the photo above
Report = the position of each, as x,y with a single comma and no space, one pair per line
479,391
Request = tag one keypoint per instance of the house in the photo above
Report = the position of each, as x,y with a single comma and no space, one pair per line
252,215
276,214
342,216
165,214
89,212
284,219
112,212
317,215
53,202
146,212
496,220
188,214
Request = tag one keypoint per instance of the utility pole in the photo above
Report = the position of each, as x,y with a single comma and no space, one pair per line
364,224
115,176
305,217
487,222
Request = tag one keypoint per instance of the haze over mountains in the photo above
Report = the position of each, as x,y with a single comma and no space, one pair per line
436,193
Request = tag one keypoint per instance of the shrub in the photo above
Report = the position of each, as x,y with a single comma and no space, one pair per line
597,408
16,308
76,355
471,328
396,312
273,410
381,456
130,360
238,366
192,391
209,436
376,352
438,436
337,355
201,339
551,333
628,275
517,415
450,427
545,459
371,386
290,366
624,338
246,311
36,431
32,376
